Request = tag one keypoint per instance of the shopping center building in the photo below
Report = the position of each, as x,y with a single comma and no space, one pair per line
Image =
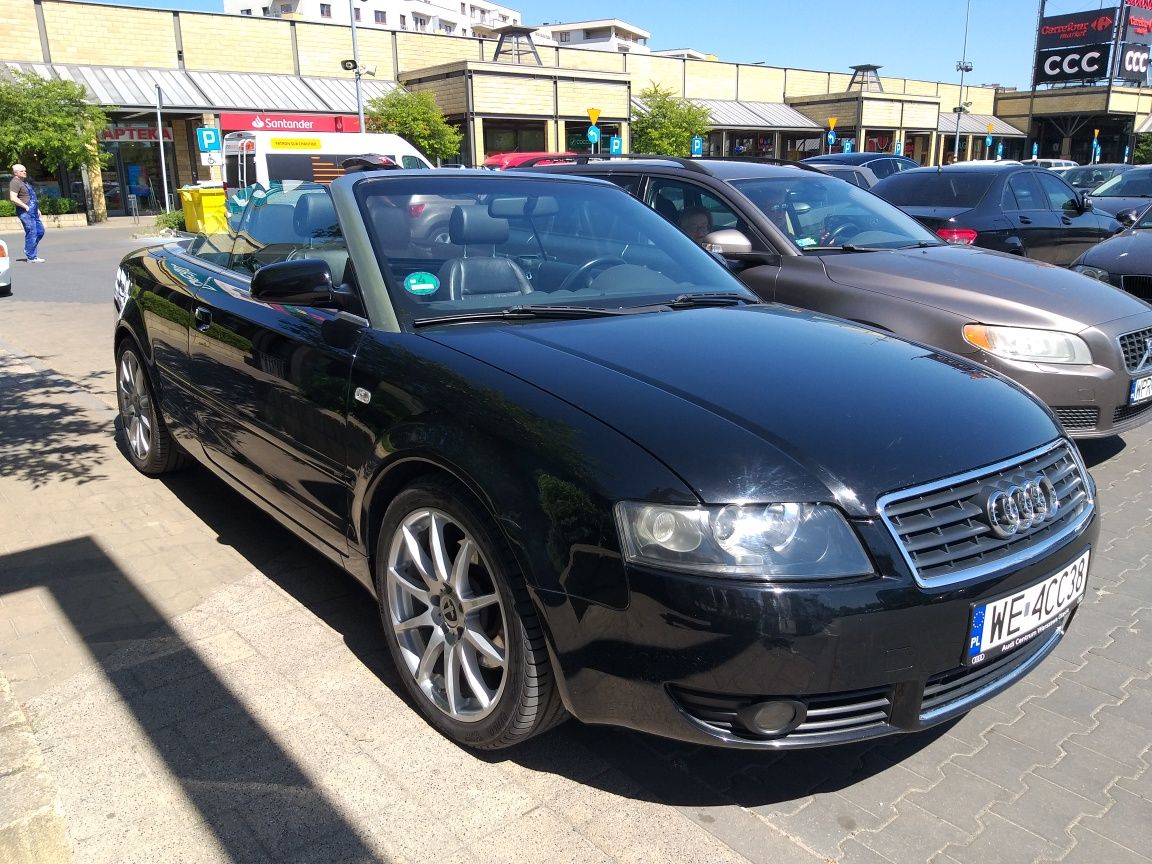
160,74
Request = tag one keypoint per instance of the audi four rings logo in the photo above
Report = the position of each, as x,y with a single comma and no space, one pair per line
1074,63
1019,507
1147,355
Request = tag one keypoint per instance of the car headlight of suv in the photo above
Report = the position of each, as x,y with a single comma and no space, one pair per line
1025,343
1093,272
755,541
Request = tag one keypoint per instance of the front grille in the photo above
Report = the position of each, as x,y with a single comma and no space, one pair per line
952,688
1127,412
1135,346
831,716
945,532
1139,286
1078,419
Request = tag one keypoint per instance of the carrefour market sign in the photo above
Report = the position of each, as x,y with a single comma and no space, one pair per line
288,123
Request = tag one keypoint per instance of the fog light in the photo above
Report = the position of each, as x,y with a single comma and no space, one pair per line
778,717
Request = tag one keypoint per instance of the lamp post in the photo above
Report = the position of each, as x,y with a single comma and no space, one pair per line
356,68
962,66
160,143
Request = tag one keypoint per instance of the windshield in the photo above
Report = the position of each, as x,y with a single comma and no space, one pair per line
818,213
1132,184
935,188
485,243
1088,177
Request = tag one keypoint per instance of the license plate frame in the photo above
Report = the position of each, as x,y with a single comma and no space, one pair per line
991,628
1140,391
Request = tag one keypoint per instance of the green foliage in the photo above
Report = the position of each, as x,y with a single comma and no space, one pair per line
57,206
416,118
48,120
667,124
1143,151
173,219
7,208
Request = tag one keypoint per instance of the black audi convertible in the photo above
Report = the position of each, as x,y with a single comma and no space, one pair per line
585,472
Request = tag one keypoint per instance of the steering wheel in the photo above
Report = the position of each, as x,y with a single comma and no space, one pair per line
585,270
836,236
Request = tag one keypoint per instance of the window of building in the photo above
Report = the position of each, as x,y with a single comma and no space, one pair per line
325,10
563,37
285,7
245,11
356,14
381,17
504,18
264,11
403,22
419,23
447,27
463,9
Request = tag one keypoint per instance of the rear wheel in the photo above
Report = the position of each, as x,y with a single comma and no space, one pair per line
149,446
461,628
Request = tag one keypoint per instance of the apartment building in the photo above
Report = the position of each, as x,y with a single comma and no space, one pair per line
472,18
605,34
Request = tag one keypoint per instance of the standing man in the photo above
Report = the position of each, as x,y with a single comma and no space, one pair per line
22,194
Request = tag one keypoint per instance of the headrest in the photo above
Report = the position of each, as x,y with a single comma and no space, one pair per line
472,224
390,223
315,217
510,208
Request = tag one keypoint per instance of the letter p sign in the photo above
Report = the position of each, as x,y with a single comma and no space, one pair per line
208,138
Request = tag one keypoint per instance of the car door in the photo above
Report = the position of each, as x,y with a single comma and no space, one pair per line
274,378
1030,221
1076,228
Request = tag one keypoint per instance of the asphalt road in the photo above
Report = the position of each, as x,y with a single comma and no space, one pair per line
283,657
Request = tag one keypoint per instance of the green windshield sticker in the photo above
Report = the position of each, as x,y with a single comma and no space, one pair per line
805,241
421,283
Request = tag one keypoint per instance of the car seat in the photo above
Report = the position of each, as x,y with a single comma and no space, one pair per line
480,271
314,220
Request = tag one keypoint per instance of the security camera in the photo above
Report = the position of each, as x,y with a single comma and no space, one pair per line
368,70
348,65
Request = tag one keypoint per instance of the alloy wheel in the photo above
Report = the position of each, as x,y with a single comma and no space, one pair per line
135,406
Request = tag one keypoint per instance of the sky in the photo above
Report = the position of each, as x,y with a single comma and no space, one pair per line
912,40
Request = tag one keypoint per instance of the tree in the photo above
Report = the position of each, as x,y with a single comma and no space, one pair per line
1143,151
667,124
416,118
50,120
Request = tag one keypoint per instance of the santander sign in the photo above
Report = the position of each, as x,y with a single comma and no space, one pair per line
288,123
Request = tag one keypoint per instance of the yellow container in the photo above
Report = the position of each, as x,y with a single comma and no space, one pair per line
205,210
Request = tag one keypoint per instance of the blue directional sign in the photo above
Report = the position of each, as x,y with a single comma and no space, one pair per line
593,134
208,138
697,145
1000,150
988,141
1126,153
616,145
831,137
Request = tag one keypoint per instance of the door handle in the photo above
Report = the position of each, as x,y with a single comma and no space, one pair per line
1065,220
203,317
1024,220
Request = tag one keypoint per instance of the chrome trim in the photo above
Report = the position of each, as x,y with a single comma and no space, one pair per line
1031,552
968,701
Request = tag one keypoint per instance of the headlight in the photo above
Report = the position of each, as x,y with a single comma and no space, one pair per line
1094,272
774,541
1023,343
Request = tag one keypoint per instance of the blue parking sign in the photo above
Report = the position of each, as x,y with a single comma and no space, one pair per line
697,145
616,145
208,138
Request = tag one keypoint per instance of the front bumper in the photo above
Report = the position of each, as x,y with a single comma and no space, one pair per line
881,656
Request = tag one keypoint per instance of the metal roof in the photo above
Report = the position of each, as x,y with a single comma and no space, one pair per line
729,114
1146,126
977,124
135,88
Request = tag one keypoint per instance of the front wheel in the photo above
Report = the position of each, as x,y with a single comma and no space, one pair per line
460,626
150,447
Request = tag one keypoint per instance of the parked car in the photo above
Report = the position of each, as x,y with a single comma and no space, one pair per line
799,237
1128,191
1124,261
1011,208
1088,177
5,270
881,164
584,471
500,161
1057,165
857,175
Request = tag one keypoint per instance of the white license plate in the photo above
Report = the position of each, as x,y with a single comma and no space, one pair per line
1141,390
1004,624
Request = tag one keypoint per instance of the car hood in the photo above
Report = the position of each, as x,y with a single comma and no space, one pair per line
1127,253
984,286
1113,204
767,404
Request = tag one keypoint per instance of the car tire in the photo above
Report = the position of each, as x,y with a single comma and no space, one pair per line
462,631
148,444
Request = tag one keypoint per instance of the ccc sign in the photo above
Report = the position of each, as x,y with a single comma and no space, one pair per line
1133,63
1070,64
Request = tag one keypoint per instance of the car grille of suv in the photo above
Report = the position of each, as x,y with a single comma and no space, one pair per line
1140,286
1078,419
1135,346
829,717
1127,412
945,532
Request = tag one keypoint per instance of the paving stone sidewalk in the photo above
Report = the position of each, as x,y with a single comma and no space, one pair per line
201,687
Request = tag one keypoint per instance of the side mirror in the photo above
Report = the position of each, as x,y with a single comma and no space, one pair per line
1085,202
307,282
1127,218
727,241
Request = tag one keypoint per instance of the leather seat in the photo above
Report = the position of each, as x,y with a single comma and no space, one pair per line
314,220
477,273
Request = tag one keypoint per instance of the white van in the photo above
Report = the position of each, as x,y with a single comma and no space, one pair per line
260,157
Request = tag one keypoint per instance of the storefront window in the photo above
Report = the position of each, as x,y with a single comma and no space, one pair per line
502,136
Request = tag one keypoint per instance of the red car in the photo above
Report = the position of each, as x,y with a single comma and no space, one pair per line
500,161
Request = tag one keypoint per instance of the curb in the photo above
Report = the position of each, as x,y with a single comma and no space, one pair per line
33,829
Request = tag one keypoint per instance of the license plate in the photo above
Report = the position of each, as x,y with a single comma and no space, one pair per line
1141,390
1009,622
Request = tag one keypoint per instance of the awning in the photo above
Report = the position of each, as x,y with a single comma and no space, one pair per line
977,124
1146,126
134,88
730,114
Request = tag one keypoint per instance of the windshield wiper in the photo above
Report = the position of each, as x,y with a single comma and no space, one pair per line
923,244
517,313
716,298
848,247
